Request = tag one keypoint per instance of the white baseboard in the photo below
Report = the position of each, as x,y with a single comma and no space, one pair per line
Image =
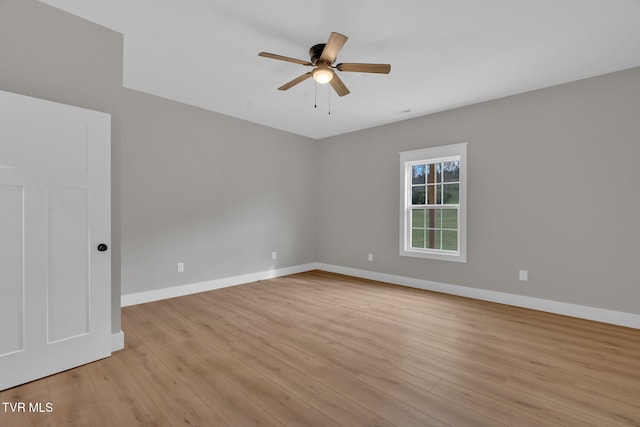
573,310
580,311
194,288
117,341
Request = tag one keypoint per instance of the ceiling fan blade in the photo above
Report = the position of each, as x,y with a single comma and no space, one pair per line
333,46
339,86
284,58
295,81
365,68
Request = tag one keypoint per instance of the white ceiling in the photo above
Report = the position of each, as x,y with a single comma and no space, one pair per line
444,53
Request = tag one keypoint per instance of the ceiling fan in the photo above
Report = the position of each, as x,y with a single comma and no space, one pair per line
323,56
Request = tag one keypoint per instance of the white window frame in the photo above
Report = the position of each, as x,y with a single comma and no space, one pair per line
433,155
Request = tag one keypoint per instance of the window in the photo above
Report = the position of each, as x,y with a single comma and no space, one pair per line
433,196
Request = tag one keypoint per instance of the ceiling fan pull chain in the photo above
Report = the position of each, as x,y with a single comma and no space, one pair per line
315,94
329,92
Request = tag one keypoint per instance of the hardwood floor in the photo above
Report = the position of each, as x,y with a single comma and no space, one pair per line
320,349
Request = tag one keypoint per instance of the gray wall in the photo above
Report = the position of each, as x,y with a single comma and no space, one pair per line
217,193
552,184
49,54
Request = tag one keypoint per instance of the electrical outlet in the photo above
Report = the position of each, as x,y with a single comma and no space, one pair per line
181,267
370,258
274,255
524,275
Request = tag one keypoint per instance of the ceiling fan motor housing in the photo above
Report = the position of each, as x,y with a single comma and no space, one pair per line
316,52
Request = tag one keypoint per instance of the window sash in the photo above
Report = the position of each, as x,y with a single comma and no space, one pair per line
437,228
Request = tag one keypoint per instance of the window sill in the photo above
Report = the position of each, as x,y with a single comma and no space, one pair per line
454,257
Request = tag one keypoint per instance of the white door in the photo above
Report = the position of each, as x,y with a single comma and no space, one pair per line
55,286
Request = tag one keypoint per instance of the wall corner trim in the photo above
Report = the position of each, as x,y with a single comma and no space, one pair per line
117,341
629,320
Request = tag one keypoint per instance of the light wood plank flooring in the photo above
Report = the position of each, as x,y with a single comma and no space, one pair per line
320,349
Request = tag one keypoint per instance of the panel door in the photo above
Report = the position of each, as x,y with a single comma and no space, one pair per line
55,286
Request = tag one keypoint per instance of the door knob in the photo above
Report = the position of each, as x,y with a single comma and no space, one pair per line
102,247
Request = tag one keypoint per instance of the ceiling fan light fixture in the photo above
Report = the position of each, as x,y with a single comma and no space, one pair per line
322,74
